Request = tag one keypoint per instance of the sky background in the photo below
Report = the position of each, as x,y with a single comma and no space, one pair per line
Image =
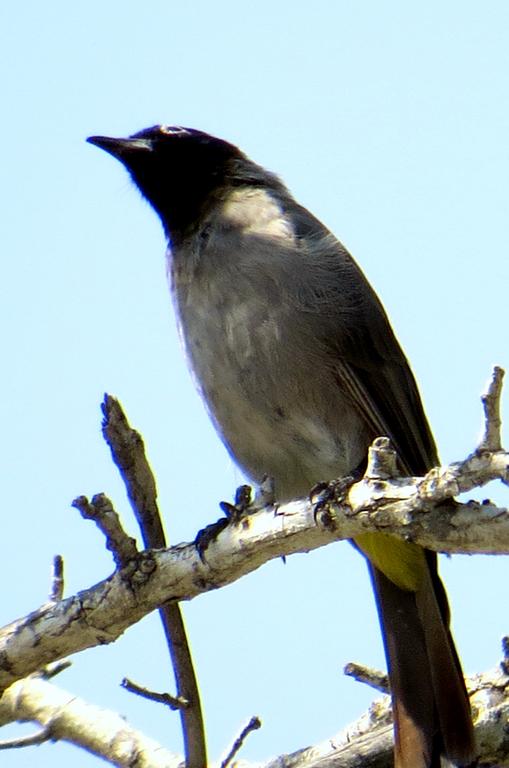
390,121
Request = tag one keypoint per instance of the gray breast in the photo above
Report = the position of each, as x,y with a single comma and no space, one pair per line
266,379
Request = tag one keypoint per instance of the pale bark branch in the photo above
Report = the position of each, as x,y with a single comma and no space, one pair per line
491,439
68,718
403,507
366,743
417,509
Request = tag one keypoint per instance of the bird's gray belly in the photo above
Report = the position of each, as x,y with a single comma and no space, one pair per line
271,395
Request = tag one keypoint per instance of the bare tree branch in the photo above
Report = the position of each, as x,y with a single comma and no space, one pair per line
404,507
101,511
372,677
57,579
128,452
410,508
491,439
69,718
160,698
366,743
253,725
32,740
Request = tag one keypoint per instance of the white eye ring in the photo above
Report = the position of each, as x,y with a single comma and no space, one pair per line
171,130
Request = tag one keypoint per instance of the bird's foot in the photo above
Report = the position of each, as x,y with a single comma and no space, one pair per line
233,513
243,499
207,535
324,494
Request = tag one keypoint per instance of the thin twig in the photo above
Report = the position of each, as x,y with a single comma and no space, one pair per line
491,439
101,511
161,698
251,726
504,664
54,669
97,730
56,592
40,737
372,677
128,453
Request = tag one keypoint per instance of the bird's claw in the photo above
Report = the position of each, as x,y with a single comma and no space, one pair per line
232,514
243,498
209,534
333,492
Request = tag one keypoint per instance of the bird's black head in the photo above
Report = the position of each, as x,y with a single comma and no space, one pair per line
180,171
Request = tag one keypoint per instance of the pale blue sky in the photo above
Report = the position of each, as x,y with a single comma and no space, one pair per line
390,121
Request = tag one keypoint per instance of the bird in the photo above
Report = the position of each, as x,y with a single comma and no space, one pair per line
300,370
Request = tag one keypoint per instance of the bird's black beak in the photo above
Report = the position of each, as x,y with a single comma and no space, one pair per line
121,148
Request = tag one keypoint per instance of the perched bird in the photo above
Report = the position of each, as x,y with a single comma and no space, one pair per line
300,370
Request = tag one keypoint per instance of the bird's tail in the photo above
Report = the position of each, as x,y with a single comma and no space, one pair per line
430,703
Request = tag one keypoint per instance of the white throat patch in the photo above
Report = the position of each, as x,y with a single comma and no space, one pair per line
255,211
